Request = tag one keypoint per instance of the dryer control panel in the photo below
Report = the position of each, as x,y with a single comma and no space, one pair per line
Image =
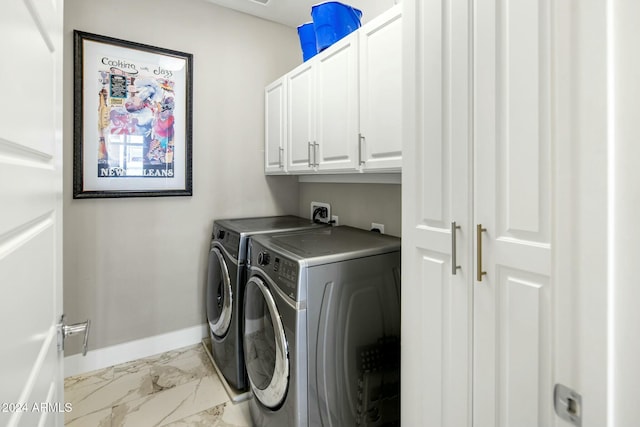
227,238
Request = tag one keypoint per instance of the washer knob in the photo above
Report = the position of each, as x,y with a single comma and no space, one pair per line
221,234
263,258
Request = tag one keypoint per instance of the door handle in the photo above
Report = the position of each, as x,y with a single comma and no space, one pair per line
309,153
65,331
479,272
454,263
280,153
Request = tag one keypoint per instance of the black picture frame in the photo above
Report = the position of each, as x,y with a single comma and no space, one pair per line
133,107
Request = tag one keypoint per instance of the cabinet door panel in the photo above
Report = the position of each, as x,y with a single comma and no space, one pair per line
512,303
436,304
275,127
301,110
381,92
337,115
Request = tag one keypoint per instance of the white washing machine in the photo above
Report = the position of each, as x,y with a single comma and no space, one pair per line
225,285
322,328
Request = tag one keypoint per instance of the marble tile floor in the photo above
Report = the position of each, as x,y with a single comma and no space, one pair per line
179,388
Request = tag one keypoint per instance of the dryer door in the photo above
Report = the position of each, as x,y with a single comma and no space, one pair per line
219,294
266,355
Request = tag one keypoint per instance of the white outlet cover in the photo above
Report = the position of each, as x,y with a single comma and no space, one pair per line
315,205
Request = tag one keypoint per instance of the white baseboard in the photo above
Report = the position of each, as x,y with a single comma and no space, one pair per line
132,350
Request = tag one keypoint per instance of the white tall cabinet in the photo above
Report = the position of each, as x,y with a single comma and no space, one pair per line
477,290
512,320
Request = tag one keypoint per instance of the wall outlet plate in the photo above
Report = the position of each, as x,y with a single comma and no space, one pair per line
377,227
324,213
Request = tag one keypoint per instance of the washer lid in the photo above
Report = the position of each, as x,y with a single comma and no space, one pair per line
330,244
267,224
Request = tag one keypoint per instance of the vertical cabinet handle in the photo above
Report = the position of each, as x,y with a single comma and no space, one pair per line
360,141
479,272
309,154
280,155
316,150
454,262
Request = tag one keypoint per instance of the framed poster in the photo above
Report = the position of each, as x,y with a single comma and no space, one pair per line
132,119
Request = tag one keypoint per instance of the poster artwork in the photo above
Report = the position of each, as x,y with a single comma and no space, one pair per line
135,120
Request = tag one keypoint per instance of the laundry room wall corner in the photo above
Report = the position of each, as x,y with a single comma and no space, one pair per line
137,266
357,205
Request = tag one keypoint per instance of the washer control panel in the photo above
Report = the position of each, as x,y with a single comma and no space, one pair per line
281,270
286,275
263,258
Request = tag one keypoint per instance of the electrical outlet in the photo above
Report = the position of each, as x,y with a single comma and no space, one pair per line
334,220
377,227
320,212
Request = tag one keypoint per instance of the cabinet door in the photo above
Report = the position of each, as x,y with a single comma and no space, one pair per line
381,91
301,118
275,127
337,106
436,303
513,340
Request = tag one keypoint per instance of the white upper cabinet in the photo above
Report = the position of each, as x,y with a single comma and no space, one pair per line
343,106
337,92
301,118
275,146
381,92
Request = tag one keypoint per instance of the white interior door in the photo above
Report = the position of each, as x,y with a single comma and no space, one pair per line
581,222
512,314
31,214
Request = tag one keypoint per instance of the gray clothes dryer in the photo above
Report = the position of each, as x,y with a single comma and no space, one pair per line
226,276
322,328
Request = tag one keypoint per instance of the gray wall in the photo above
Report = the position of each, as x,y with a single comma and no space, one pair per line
357,205
137,267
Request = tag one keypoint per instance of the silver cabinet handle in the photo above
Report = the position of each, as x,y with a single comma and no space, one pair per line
280,155
454,263
67,330
309,153
479,272
316,150
360,141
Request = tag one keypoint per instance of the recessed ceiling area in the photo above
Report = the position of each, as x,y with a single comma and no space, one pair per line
296,12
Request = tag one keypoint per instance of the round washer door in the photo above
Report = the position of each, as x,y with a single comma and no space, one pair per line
265,345
219,294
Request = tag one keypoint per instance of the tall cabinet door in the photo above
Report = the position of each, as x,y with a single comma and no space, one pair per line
301,118
436,296
275,127
381,91
337,114
512,316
